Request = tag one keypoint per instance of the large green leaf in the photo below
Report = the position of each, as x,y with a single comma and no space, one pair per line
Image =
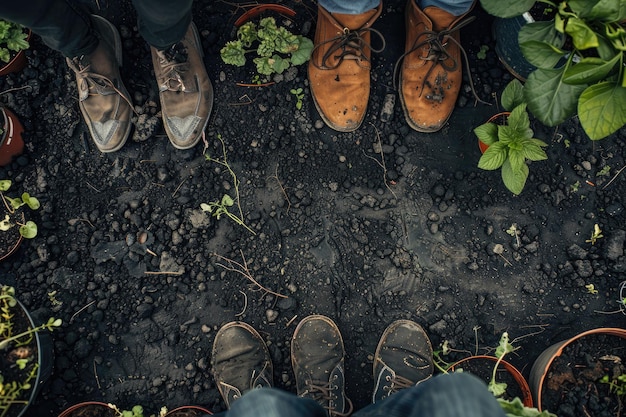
549,99
589,70
602,109
513,95
487,133
514,180
604,10
494,157
543,31
506,8
533,150
541,54
582,35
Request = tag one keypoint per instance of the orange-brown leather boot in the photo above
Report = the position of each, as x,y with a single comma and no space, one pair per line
339,69
431,73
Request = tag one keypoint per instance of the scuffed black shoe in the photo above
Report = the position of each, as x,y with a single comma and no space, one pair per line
317,357
403,358
240,361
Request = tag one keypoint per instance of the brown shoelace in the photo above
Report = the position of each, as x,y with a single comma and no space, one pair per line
174,64
349,45
438,54
321,392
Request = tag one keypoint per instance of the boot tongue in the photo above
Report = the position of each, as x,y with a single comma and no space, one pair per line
356,21
440,18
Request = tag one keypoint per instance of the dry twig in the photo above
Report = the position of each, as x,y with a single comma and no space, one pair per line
242,268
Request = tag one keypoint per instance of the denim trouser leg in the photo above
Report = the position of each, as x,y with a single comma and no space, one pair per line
456,7
62,24
272,402
162,23
453,395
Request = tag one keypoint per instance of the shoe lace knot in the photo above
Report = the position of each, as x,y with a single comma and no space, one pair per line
436,43
349,44
174,64
324,392
91,83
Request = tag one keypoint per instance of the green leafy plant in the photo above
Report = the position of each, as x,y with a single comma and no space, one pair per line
13,342
12,38
219,208
513,407
276,48
580,55
297,92
27,229
511,145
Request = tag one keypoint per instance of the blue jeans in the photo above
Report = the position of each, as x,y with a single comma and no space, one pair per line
455,7
65,26
453,395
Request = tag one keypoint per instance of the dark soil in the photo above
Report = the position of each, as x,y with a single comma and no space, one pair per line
365,227
572,388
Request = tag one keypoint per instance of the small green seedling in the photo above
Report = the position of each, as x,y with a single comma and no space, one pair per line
605,171
297,92
219,208
12,38
591,289
27,229
438,360
276,48
136,411
617,385
574,187
595,235
482,53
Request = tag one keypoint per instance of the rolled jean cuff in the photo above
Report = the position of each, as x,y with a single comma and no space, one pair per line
454,7
349,7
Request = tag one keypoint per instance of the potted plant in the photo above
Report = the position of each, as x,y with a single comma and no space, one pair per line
511,145
26,355
275,48
101,409
11,142
586,367
13,225
503,380
579,55
13,42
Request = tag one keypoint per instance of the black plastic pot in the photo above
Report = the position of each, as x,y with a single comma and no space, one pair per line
505,32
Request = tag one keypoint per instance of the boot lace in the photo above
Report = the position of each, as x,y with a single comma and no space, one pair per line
350,44
438,55
324,393
174,63
396,383
95,84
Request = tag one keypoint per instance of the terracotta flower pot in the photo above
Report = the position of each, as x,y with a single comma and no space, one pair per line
11,142
499,119
79,408
540,371
18,62
188,411
257,10
484,368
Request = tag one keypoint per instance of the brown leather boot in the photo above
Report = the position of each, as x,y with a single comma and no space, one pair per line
339,69
185,89
431,73
103,99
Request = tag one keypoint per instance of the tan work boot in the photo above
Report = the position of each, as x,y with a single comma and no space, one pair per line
431,73
184,88
339,69
103,99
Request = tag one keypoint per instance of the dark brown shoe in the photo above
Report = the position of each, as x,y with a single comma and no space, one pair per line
339,69
103,99
240,361
431,72
403,358
317,357
184,88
